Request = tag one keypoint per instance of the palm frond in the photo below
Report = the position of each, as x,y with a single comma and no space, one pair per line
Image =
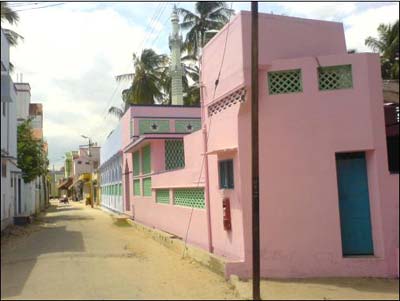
126,76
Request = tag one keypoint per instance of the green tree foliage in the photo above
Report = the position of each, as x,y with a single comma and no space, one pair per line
203,24
10,16
387,44
32,159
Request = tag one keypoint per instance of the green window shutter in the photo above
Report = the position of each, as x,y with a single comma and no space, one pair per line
136,163
147,187
120,189
287,81
146,159
174,154
136,187
335,77
162,196
189,197
187,126
153,126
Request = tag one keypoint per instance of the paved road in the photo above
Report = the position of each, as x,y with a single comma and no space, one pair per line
79,253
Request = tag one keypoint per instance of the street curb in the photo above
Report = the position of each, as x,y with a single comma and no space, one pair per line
176,244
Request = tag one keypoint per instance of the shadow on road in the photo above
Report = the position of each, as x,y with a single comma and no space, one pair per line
18,259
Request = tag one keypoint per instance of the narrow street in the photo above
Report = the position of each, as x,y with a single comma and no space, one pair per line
75,252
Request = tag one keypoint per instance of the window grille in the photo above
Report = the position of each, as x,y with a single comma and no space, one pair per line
146,159
187,126
287,81
136,187
162,196
147,187
226,102
335,77
153,126
136,163
174,154
189,197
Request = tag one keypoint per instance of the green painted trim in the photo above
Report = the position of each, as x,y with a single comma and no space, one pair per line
285,81
146,159
147,186
335,77
145,126
174,154
181,125
162,196
136,187
136,163
189,197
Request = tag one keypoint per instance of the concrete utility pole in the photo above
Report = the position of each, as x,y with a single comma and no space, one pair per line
175,42
254,157
91,171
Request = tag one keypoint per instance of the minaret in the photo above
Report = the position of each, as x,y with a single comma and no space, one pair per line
175,41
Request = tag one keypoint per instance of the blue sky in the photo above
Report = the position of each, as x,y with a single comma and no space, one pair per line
72,52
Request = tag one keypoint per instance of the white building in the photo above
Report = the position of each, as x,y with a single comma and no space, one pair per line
11,182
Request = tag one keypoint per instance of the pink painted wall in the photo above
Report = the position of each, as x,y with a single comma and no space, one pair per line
299,135
280,37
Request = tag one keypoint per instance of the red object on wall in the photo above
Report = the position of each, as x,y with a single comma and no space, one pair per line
226,206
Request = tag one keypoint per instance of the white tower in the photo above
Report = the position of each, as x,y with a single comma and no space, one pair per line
175,41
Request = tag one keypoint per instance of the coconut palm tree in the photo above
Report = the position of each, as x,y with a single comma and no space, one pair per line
387,44
7,14
147,81
203,24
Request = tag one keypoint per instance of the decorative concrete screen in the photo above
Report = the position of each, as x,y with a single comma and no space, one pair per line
136,187
147,187
335,77
226,102
174,154
153,126
146,159
162,196
136,163
187,126
281,82
189,197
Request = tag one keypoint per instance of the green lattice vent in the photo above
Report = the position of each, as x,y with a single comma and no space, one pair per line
189,197
162,196
136,187
174,154
136,163
146,159
153,126
288,81
187,126
335,77
147,187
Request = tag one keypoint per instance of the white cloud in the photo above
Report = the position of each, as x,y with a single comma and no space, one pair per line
329,11
365,23
70,57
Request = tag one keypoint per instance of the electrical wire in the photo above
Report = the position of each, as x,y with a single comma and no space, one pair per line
209,131
31,8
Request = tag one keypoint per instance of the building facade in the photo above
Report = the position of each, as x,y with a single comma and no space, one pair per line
111,172
328,199
11,203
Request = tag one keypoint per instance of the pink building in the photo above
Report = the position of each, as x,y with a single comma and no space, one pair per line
328,204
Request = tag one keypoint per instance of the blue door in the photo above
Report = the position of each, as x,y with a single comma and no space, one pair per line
355,220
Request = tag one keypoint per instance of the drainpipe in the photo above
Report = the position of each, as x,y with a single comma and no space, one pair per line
206,175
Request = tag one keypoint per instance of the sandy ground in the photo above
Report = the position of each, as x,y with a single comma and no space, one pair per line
324,289
75,252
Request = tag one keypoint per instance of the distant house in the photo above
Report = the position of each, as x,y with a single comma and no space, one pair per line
11,201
